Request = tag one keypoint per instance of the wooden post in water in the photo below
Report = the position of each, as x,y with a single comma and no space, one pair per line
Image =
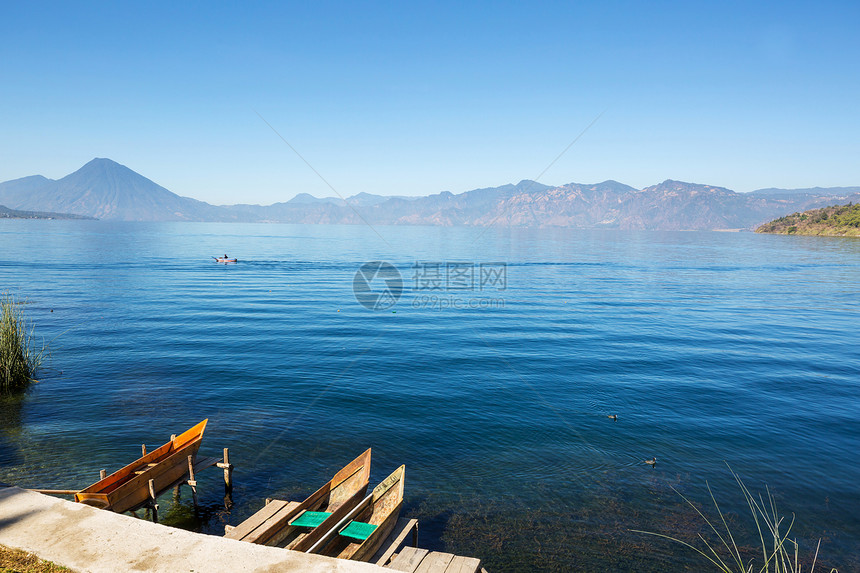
143,449
102,474
228,470
152,501
177,491
191,481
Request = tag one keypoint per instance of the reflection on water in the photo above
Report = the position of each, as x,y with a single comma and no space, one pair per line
179,511
10,429
710,347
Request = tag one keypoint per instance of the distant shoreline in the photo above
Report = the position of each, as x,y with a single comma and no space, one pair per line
7,213
834,221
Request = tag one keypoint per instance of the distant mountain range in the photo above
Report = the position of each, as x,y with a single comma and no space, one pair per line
107,190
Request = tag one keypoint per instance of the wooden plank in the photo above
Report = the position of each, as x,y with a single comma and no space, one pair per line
57,491
144,468
256,520
277,528
203,463
395,541
436,562
263,520
408,560
460,564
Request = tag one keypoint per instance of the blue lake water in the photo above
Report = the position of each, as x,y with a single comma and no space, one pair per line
710,348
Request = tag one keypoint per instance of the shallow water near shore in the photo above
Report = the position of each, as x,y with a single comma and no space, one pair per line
710,348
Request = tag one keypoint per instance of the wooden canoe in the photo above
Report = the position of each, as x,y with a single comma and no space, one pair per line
128,488
272,524
378,512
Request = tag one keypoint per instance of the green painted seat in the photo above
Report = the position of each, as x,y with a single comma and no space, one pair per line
358,530
310,518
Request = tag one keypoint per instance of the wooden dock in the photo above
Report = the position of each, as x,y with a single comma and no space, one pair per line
416,560
393,554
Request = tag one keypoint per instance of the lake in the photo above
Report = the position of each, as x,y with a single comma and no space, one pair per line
491,377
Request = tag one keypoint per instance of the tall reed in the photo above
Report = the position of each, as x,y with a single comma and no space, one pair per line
20,357
779,552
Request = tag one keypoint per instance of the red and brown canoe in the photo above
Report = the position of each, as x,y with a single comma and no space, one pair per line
129,487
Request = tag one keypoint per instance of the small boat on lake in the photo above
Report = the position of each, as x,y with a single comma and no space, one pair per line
297,526
225,259
361,533
128,488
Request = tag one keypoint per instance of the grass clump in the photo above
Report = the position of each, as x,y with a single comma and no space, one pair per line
19,355
16,561
779,552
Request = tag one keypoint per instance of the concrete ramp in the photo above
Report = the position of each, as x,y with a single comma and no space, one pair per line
86,539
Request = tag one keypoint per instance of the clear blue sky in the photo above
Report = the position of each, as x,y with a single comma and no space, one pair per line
397,98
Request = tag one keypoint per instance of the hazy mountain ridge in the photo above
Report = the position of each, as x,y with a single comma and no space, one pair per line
816,191
107,190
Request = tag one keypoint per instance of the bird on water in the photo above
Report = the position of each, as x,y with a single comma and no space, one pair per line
652,462
613,417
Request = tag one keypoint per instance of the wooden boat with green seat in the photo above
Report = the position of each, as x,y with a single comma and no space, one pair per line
128,488
361,533
297,526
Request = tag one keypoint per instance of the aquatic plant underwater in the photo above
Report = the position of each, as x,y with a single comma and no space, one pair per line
780,553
